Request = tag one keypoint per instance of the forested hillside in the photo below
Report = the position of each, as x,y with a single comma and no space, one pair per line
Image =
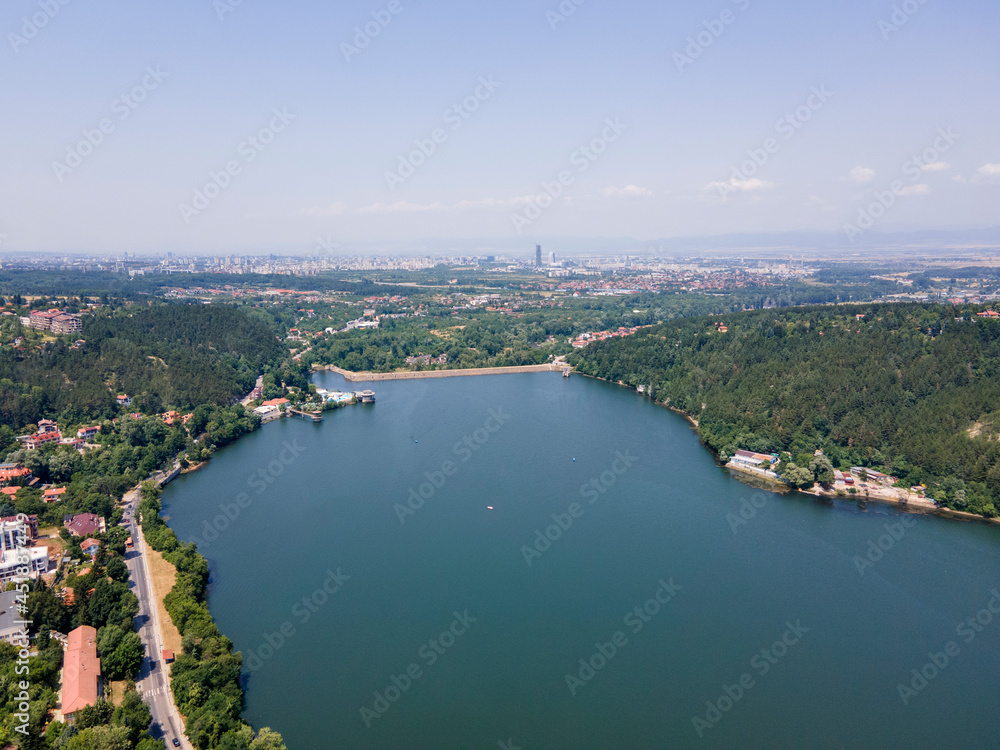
911,389
164,356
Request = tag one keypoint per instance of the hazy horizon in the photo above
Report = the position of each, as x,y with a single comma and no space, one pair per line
229,126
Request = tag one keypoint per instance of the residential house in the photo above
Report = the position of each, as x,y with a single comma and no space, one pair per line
124,400
17,559
90,547
53,494
10,472
81,672
84,524
86,433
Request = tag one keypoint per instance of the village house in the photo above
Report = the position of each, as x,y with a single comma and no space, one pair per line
11,471
124,400
84,524
53,494
90,547
85,433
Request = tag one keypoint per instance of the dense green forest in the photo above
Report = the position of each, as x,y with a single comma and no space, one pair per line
910,389
164,356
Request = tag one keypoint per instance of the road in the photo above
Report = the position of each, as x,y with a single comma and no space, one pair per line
153,682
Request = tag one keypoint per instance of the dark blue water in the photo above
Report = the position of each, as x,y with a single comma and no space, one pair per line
769,633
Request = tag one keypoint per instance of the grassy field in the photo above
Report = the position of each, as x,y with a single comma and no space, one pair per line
163,574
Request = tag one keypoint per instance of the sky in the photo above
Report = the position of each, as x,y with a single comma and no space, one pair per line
226,126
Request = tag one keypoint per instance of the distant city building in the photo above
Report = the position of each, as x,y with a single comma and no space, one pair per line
552,258
538,256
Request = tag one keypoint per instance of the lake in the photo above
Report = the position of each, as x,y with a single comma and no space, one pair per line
529,561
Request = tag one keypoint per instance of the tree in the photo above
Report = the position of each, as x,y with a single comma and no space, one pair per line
268,739
797,476
822,469
117,569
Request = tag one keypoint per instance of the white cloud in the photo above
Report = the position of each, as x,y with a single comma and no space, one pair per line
736,185
938,166
485,203
920,189
629,191
399,207
334,209
862,175
989,171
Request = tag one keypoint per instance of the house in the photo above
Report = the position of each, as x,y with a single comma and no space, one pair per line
84,524
85,433
10,491
990,314
168,656
749,458
90,547
10,472
81,672
53,494
124,400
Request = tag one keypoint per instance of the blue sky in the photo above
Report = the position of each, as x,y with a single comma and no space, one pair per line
221,70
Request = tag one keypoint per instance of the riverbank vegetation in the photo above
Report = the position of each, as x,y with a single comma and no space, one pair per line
205,679
911,390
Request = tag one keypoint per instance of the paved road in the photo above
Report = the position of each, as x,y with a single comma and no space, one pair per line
153,682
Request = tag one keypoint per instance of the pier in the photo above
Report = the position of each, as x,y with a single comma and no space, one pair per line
311,416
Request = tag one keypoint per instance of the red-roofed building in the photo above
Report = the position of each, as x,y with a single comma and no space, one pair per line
53,494
90,547
276,402
81,672
10,472
86,433
84,524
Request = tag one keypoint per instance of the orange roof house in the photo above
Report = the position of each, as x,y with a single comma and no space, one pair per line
81,671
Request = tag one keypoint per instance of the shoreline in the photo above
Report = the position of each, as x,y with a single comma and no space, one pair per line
367,377
880,495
